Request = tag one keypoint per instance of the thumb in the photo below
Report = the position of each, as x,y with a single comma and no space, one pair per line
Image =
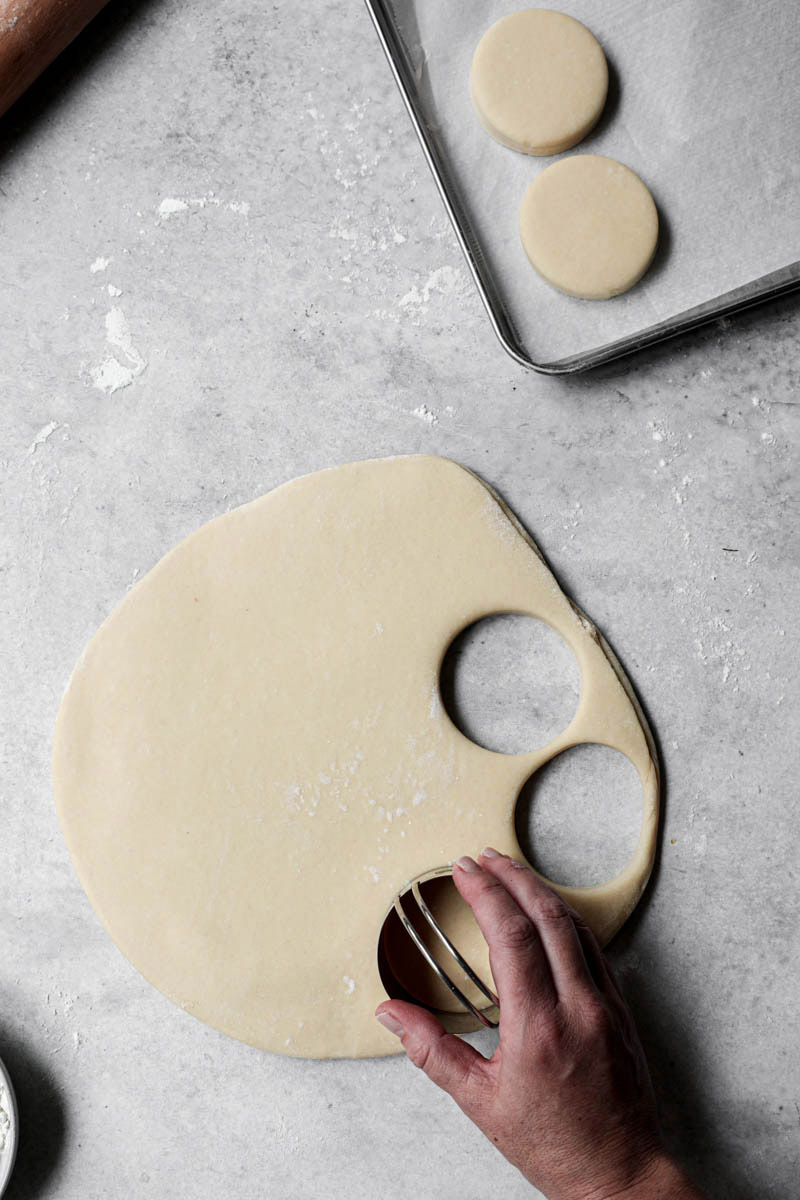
451,1064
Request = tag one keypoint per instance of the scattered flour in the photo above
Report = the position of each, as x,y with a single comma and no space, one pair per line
42,436
721,642
170,206
425,414
349,156
111,374
444,281
342,232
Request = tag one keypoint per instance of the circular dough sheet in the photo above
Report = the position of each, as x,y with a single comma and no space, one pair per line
539,81
589,226
252,757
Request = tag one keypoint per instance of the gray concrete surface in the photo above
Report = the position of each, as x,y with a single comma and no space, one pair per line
224,264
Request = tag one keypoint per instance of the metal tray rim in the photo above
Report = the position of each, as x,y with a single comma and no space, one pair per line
768,287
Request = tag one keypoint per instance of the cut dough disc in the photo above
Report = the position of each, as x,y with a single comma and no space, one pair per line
589,226
252,758
539,81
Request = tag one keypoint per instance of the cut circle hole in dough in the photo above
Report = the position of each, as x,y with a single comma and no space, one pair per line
589,226
578,817
539,81
510,683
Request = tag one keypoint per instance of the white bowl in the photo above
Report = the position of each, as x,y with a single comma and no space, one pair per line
8,1103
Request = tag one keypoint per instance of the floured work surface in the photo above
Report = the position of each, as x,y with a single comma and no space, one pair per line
703,104
252,757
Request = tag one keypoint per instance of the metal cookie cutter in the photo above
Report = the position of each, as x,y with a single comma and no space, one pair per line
485,1017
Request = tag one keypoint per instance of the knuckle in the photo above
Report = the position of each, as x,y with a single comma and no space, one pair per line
551,908
488,884
419,1054
543,1040
595,1017
515,931
488,888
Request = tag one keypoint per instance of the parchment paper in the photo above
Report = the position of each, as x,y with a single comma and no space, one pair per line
704,104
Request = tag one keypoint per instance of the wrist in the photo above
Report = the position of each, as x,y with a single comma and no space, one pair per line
661,1178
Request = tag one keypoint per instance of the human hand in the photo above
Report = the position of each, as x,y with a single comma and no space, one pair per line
566,1097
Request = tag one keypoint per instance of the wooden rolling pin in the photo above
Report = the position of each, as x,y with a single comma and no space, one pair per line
32,34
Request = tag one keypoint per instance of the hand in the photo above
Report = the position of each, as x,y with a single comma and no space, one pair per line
566,1097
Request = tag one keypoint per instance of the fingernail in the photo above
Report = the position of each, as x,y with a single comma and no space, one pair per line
490,852
388,1021
467,864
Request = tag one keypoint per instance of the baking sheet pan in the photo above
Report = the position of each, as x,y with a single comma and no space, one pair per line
704,104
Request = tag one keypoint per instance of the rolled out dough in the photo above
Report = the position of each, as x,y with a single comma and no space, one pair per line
252,757
539,81
589,226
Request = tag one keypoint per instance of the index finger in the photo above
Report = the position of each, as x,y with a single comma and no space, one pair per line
517,957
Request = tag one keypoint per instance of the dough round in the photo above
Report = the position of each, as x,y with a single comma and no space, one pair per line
252,758
539,81
589,226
